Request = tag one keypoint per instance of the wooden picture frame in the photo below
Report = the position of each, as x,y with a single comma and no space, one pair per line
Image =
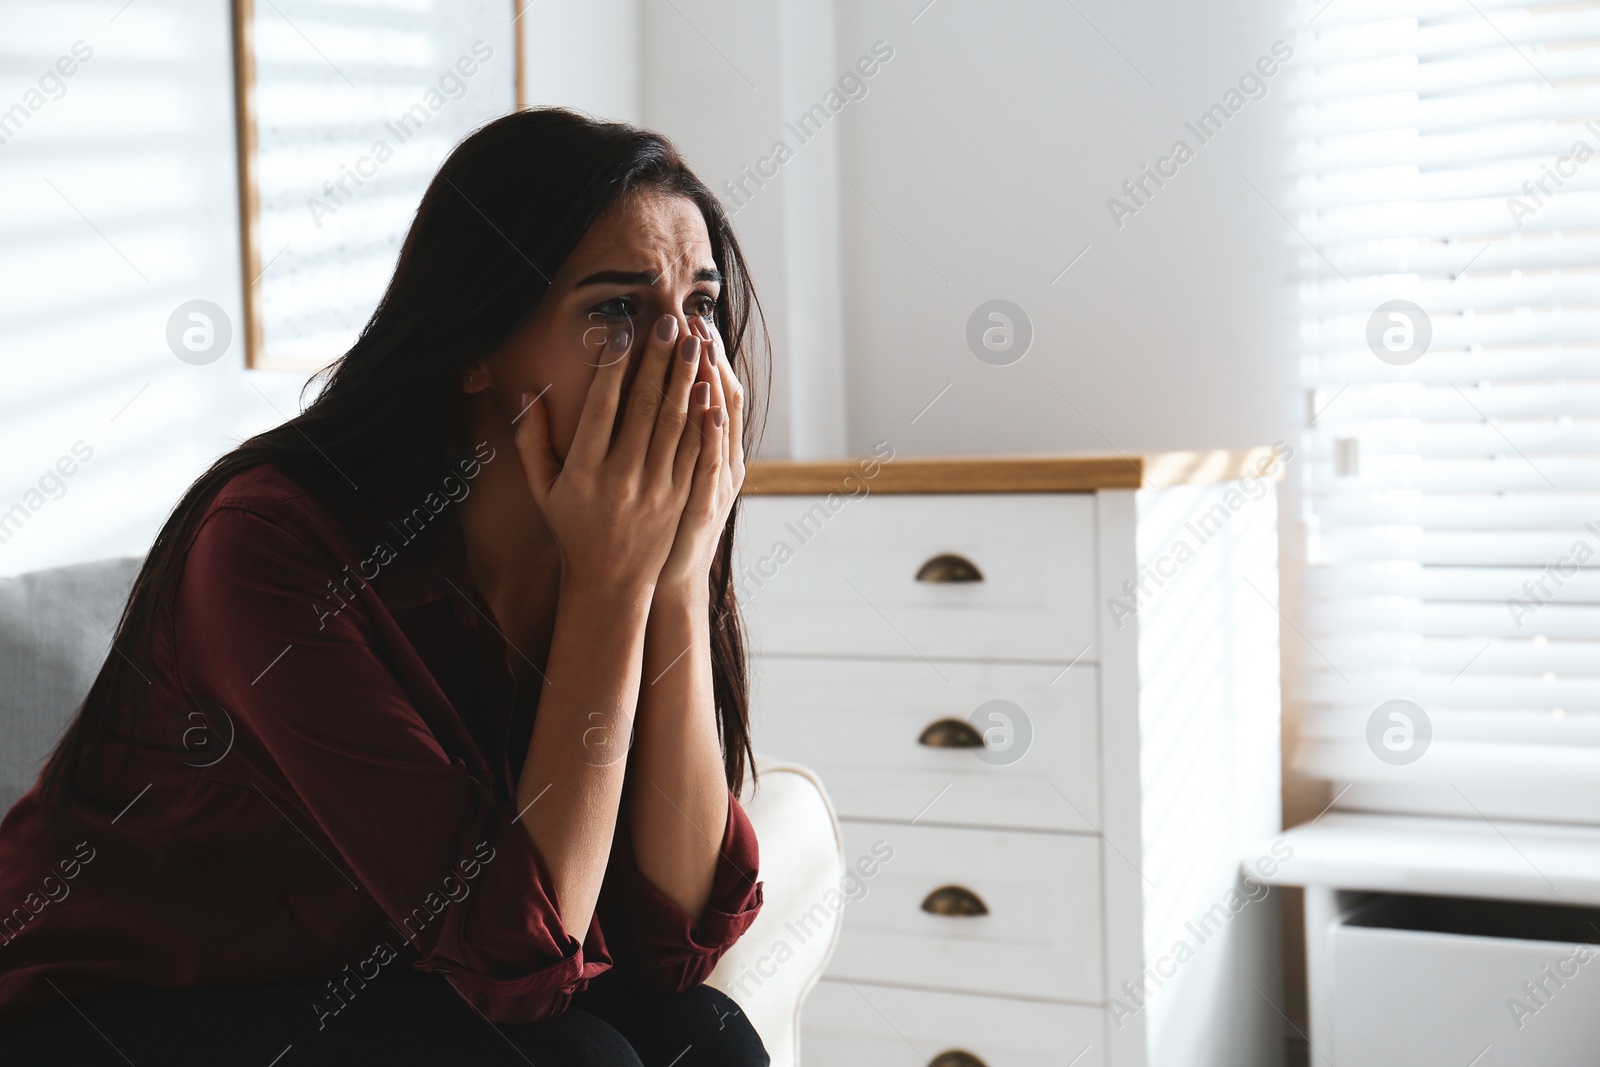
244,88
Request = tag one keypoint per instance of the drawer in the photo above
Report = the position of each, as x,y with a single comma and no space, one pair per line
847,1025
857,723
1040,934
843,579
1439,980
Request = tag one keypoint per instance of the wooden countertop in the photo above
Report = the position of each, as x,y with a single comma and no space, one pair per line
1010,474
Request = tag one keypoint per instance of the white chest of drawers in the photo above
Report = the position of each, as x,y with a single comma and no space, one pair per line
1065,769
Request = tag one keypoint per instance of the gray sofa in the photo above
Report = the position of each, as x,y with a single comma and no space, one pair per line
55,630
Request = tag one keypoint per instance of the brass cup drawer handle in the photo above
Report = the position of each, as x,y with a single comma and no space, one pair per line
950,733
954,900
956,1058
949,567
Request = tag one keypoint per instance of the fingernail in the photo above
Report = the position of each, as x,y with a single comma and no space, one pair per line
701,328
716,414
689,349
667,328
621,341
702,394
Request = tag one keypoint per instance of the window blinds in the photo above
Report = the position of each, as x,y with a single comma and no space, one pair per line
1447,154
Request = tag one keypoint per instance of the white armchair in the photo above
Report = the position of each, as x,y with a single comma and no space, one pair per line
772,968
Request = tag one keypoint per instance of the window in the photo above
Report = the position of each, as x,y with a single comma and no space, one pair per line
346,112
1447,198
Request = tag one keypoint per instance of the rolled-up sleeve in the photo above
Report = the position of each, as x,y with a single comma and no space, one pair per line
324,722
653,940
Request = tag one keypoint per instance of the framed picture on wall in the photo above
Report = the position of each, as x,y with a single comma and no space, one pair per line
345,112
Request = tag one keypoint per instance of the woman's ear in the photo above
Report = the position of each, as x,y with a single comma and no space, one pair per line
475,377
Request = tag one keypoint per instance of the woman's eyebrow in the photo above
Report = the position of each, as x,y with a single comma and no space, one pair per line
642,277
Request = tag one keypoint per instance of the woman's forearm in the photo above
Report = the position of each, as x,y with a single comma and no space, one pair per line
678,795
572,776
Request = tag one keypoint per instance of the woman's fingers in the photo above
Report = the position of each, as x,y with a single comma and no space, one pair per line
733,401
708,463
695,444
645,399
593,438
711,373
533,445
671,423
706,491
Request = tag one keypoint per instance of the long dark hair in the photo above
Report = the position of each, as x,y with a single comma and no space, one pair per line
503,213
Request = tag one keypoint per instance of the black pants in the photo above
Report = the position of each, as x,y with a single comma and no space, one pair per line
390,1023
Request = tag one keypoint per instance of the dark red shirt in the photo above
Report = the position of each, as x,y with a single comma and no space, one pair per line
329,794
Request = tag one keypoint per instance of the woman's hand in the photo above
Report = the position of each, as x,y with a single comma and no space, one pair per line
718,470
617,503
679,796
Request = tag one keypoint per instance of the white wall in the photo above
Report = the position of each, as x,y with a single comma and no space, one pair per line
583,56
991,143
721,80
977,167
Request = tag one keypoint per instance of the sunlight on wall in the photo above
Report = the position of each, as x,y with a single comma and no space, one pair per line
1209,705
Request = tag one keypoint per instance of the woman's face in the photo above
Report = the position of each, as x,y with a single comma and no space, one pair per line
649,256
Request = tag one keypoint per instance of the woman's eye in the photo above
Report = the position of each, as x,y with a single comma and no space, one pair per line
620,309
703,306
